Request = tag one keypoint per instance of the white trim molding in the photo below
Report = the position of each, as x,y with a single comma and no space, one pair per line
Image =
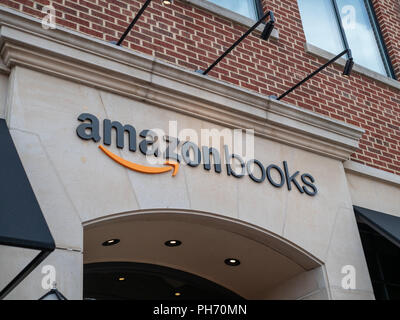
360,169
76,57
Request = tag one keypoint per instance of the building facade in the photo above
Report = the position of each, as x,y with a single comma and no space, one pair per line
122,147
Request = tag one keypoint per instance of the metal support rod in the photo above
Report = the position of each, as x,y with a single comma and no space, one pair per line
269,13
348,51
135,19
24,273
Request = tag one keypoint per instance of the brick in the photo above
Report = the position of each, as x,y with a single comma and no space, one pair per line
193,38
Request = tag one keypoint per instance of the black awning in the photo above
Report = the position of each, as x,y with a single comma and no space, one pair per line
21,220
385,224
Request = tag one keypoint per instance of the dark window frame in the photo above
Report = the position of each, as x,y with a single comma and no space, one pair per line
259,8
372,249
380,39
377,33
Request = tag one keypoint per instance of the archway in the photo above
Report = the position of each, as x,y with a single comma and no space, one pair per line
212,251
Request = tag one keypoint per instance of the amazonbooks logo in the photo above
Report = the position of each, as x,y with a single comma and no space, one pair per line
167,152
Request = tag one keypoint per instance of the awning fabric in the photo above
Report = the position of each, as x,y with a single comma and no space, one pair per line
21,220
385,224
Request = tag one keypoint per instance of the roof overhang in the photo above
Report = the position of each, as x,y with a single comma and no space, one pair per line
385,224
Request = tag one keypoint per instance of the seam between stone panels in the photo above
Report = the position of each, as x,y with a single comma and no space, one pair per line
119,152
53,167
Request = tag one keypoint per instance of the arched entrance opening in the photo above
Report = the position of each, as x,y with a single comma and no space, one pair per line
181,254
142,281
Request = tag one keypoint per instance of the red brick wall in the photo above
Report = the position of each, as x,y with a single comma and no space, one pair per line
193,38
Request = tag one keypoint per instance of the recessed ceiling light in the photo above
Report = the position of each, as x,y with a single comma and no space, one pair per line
110,242
173,243
232,262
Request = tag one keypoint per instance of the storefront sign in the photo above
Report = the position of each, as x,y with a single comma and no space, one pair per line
190,154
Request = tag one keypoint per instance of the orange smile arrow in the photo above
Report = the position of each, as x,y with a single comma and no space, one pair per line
139,168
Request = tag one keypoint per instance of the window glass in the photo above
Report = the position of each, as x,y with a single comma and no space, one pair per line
322,29
244,7
394,292
320,25
360,34
383,260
